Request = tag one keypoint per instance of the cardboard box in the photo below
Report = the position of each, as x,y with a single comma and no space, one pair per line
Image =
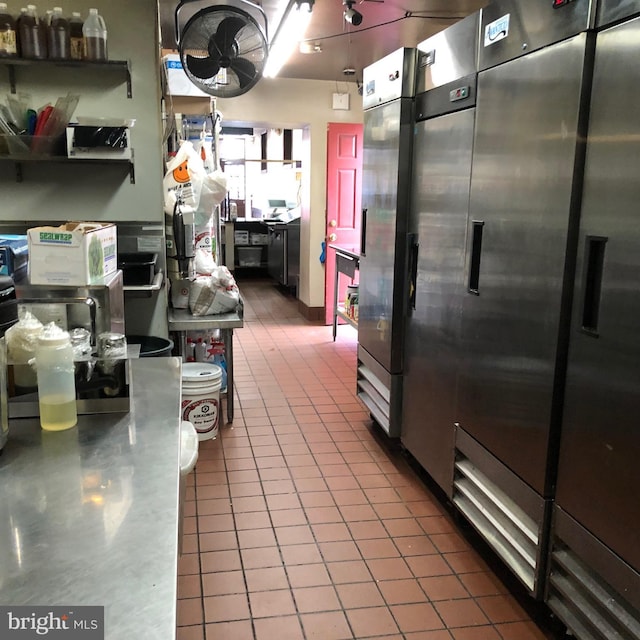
259,238
75,253
178,83
240,236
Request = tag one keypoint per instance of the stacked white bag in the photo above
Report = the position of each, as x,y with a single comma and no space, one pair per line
212,289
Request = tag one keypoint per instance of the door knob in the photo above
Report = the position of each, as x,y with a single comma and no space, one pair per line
332,237
333,223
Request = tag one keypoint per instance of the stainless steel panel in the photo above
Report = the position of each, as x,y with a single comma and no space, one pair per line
102,495
389,78
601,560
455,96
440,204
525,155
504,510
97,307
449,54
598,471
610,11
277,255
500,475
385,194
513,28
381,393
293,255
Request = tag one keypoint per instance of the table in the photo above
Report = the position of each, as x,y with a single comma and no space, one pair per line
89,516
181,321
347,262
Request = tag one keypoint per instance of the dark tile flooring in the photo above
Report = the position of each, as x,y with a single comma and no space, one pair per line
303,524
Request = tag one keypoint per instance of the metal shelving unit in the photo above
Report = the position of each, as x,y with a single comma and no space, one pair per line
122,66
117,66
20,159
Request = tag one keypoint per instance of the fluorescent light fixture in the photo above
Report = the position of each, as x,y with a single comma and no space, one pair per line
290,31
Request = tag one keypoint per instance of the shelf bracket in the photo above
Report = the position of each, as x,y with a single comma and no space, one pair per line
128,72
12,77
18,166
132,173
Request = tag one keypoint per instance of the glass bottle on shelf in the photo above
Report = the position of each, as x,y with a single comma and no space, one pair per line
8,37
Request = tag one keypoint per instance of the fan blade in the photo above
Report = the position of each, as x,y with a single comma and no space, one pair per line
245,70
203,68
225,34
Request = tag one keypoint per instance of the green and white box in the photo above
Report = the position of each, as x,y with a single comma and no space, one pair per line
75,253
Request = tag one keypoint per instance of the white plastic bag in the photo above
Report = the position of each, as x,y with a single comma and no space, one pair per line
214,294
214,190
183,179
203,262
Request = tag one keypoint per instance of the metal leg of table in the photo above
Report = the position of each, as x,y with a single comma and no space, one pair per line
335,302
181,337
227,338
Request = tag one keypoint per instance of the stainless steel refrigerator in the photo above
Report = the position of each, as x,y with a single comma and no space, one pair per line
533,88
594,583
443,142
388,122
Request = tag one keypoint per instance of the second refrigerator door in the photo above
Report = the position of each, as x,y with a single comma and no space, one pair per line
440,204
526,139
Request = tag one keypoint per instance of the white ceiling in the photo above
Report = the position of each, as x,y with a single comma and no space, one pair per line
387,25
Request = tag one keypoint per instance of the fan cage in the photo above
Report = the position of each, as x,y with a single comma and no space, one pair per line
250,44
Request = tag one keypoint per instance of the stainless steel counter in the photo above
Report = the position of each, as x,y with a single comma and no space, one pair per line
89,516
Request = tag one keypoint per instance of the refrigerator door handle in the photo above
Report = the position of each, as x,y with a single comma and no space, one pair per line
414,247
592,283
363,233
477,227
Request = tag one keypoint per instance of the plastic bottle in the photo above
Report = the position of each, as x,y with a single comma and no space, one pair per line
201,351
216,349
8,34
31,35
56,381
191,351
22,340
76,39
58,39
94,32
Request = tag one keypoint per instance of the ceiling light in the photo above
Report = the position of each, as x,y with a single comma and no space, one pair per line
351,15
310,47
290,31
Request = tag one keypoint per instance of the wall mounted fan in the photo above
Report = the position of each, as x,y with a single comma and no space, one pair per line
222,48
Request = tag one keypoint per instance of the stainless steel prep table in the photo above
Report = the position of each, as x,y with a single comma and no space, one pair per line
181,321
347,262
89,516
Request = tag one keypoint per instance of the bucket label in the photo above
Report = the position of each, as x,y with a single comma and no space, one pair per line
202,414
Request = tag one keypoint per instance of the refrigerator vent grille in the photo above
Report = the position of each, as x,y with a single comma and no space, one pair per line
374,395
584,602
509,530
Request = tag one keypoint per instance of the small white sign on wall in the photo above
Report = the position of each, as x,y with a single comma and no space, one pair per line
178,83
496,30
341,101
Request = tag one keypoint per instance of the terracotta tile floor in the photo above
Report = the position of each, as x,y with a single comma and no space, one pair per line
302,524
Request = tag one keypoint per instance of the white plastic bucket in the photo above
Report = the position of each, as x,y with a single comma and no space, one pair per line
201,397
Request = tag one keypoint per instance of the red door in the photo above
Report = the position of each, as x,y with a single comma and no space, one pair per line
344,197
